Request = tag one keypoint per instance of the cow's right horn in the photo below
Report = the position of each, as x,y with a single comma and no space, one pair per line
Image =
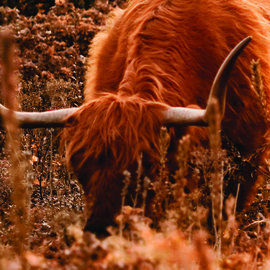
185,116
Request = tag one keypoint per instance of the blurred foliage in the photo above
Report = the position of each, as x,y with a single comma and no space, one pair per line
32,7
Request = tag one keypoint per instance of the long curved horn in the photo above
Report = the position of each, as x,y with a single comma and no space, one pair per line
185,116
55,118
172,116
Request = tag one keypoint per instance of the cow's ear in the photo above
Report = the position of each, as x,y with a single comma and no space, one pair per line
194,106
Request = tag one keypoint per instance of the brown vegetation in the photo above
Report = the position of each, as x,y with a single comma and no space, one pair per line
49,215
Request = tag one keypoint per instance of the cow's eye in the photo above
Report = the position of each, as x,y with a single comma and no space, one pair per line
147,166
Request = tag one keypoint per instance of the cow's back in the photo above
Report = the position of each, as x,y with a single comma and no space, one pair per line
170,51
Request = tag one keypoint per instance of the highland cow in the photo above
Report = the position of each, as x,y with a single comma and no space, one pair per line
155,55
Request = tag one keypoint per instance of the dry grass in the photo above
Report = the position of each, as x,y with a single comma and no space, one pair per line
42,206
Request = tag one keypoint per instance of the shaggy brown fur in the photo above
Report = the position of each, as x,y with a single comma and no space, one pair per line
160,53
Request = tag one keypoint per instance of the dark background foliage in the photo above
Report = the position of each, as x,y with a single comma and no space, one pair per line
32,7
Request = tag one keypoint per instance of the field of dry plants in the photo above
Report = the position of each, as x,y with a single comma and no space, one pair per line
42,211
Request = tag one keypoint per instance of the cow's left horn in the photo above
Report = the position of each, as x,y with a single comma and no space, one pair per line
55,118
185,116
